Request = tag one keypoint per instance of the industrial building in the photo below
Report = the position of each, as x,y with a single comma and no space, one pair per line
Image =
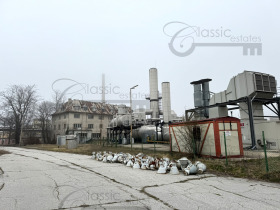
145,125
209,123
249,92
212,126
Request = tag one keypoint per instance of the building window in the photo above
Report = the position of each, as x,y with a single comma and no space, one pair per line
59,117
76,115
64,116
64,126
90,125
54,127
101,117
90,116
83,135
59,127
101,126
77,125
77,108
95,135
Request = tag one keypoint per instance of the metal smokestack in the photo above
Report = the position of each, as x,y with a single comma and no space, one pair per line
202,96
206,96
154,93
166,102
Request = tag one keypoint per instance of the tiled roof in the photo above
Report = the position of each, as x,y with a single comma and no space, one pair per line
88,107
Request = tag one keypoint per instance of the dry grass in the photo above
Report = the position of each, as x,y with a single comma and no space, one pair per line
251,169
3,152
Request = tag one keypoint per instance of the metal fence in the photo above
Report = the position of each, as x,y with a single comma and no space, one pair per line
261,159
257,162
152,147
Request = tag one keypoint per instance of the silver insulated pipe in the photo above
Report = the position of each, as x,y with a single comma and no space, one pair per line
154,93
166,102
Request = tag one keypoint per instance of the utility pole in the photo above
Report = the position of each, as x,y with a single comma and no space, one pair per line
131,115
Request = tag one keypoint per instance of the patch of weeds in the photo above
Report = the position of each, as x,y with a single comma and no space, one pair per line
3,152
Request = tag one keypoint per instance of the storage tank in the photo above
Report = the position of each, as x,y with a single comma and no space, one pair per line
113,123
124,120
149,131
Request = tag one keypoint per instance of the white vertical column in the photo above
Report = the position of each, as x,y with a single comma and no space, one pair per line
166,102
154,92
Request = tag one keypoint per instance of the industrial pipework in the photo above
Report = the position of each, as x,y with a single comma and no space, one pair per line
201,97
248,91
154,128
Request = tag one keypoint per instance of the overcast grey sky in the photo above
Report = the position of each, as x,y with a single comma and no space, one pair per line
42,41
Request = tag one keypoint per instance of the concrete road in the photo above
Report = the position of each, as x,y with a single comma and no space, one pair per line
33,179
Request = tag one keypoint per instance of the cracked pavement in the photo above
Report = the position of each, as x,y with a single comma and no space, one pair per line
35,179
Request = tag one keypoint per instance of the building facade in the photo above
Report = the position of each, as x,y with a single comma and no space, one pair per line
87,120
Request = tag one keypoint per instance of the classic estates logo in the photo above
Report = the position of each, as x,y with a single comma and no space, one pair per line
186,38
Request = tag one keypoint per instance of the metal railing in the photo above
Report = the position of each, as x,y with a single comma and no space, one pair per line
148,95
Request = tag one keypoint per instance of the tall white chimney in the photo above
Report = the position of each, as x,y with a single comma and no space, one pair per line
154,93
166,102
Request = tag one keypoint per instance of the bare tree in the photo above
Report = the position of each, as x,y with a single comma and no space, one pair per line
58,98
189,134
7,122
44,113
20,100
